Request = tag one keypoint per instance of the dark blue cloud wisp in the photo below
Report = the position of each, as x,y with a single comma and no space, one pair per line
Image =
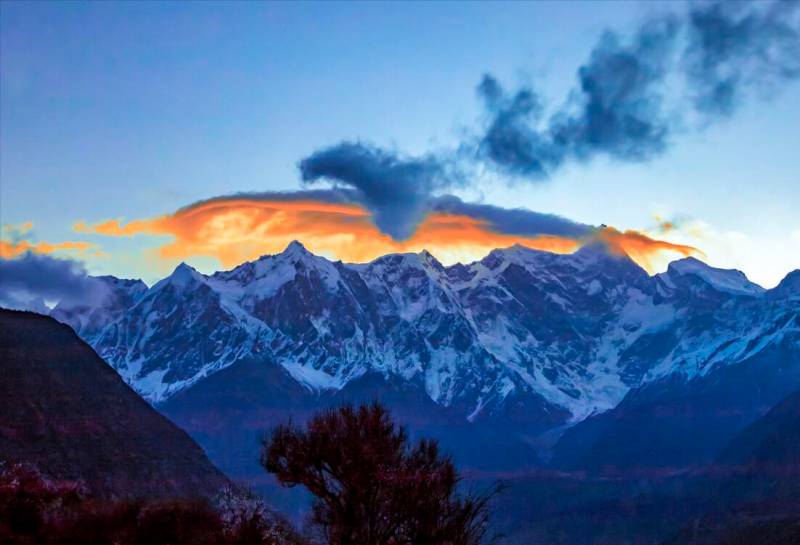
734,47
513,221
617,109
396,190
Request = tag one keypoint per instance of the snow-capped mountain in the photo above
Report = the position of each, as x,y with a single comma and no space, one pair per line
571,333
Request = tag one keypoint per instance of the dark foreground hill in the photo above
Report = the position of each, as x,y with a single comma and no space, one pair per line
772,442
749,495
763,491
65,411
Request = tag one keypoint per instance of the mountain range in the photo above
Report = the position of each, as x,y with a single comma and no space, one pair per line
574,333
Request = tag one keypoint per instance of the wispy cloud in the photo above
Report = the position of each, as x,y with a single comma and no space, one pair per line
18,240
735,48
616,110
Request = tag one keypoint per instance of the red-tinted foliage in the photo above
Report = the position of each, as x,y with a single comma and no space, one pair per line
38,511
372,486
29,504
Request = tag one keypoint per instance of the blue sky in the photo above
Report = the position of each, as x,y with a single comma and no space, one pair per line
132,110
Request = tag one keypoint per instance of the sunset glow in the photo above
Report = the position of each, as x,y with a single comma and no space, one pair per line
10,249
236,230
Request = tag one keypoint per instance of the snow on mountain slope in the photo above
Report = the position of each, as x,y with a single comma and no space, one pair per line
177,332
519,327
726,280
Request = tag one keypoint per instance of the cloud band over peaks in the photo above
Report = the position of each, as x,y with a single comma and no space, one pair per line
333,223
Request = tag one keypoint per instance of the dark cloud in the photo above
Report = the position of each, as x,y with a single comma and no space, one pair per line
333,195
396,190
512,140
617,109
734,47
513,221
28,281
620,106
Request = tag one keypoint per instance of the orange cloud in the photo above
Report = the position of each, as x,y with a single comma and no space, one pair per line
10,250
234,230
648,252
16,243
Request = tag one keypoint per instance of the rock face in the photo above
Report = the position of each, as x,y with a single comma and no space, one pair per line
522,342
68,413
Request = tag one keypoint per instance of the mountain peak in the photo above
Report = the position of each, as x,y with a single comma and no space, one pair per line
599,250
790,285
731,281
593,248
296,249
690,263
515,252
134,283
183,275
429,259
419,260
